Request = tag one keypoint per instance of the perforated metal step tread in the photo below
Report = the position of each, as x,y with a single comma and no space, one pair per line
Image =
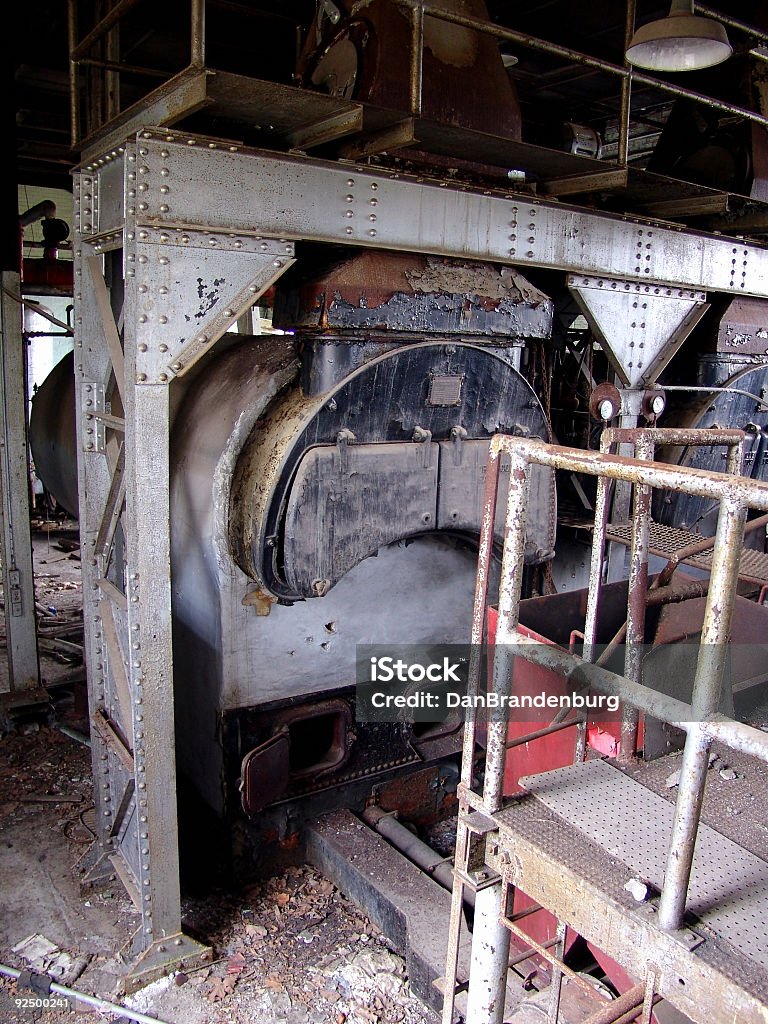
665,541
729,885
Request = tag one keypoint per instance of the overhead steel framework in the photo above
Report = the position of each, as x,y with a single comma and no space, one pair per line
176,237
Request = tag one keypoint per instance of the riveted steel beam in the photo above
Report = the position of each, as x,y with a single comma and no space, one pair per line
181,182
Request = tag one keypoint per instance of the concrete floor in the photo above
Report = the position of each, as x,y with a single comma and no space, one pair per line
292,949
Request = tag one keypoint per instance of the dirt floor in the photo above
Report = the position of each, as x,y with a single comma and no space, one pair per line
292,949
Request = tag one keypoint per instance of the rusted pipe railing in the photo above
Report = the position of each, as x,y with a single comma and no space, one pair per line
533,43
197,34
464,790
622,149
730,21
735,494
110,19
700,720
645,441
710,667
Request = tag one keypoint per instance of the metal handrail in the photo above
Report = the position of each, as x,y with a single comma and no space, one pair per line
79,50
700,720
644,442
420,9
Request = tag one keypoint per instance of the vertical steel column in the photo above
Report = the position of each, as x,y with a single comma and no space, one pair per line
636,599
710,667
92,368
146,525
16,549
147,429
490,958
490,939
484,563
622,152
126,597
197,34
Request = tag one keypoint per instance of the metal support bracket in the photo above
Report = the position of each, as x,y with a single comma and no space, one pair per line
640,325
173,953
190,295
93,400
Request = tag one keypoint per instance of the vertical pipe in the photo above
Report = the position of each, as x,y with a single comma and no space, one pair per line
456,918
197,33
512,567
626,89
706,696
74,75
597,559
490,956
636,600
417,58
556,984
112,77
484,565
735,458
484,562
15,536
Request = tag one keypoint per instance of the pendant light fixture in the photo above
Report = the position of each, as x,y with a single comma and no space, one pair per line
682,41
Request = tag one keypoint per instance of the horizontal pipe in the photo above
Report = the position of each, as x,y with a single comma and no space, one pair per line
530,951
582,674
74,734
83,997
620,71
540,733
730,21
128,69
634,1013
726,391
702,482
414,849
611,1012
681,436
42,210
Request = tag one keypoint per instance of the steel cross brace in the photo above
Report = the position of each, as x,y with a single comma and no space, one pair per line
177,297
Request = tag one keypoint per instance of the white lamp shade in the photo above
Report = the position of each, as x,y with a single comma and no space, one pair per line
679,42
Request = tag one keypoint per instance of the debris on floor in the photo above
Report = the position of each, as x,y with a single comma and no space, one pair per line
291,949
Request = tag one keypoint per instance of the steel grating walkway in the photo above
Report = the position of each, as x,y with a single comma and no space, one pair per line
729,885
666,541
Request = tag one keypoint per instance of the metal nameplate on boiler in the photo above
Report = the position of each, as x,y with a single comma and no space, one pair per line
445,389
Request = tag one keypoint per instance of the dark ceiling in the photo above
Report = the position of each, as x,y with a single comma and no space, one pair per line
261,40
